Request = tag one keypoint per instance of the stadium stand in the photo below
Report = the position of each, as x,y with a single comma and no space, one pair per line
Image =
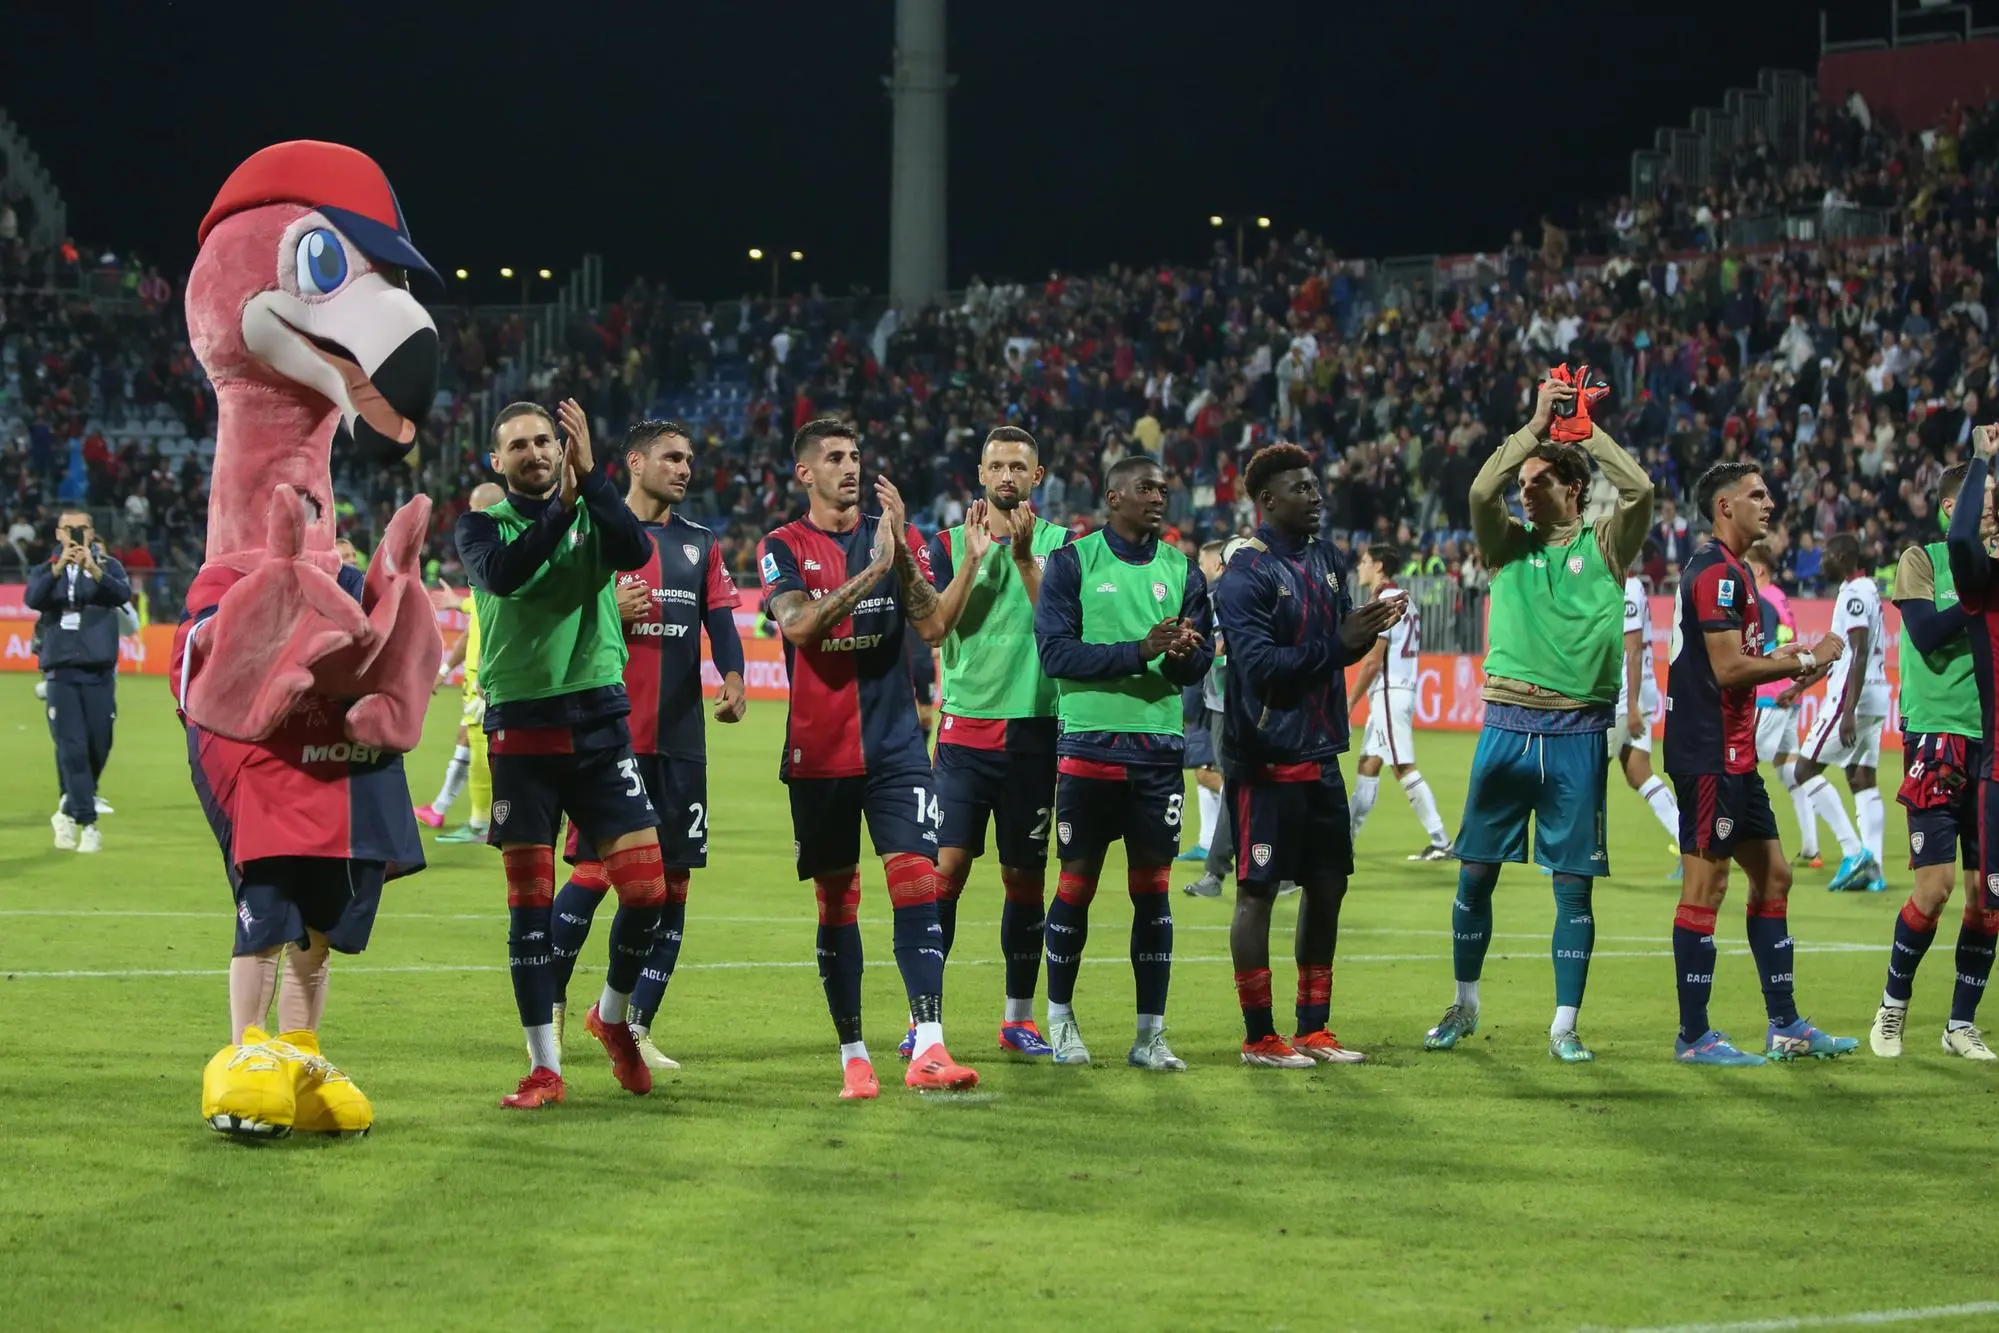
1821,300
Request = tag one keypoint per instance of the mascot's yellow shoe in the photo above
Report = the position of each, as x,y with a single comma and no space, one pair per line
328,1102
247,1090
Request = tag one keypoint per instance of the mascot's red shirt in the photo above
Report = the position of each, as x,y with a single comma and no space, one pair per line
306,789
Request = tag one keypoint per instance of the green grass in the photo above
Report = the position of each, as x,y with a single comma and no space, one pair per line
1488,1188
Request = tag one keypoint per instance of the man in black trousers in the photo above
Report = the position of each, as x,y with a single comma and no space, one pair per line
78,594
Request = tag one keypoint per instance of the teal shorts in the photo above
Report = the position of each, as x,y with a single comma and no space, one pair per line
1558,780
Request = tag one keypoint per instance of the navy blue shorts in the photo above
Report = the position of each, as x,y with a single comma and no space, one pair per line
1718,811
587,772
901,810
1016,791
1096,804
1940,794
678,789
279,899
1292,823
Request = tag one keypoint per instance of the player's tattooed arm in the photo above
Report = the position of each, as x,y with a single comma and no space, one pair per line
804,621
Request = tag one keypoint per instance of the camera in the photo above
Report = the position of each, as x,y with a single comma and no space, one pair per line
75,533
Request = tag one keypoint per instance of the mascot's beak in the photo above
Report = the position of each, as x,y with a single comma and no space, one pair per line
369,348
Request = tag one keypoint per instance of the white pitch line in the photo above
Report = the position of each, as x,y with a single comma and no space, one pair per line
963,921
1857,1318
441,969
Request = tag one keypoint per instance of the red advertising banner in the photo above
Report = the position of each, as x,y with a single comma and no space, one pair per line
1914,85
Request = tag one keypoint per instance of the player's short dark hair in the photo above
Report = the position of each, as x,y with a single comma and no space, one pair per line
1385,556
1760,553
1950,484
521,409
1010,435
1717,479
1268,462
818,430
641,437
1114,480
1842,550
1570,463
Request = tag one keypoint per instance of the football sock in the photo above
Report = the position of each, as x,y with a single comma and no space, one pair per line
1871,818
912,892
1361,804
1575,937
853,1050
1660,797
1315,996
1825,803
614,1006
651,989
1808,824
303,998
1211,809
1770,942
1693,966
575,907
480,786
253,979
1021,916
1565,1019
1252,992
544,1052
1913,934
1151,936
1424,802
531,961
1149,1024
947,912
1975,941
839,949
455,774
1068,930
1471,919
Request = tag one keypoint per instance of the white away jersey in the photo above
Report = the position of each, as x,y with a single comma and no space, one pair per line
1858,606
1638,616
1405,641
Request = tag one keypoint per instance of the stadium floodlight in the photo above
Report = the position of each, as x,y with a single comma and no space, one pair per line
797,255
545,274
756,254
1263,222
461,275
506,273
1214,219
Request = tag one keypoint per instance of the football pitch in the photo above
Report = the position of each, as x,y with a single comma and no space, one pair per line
1485,1188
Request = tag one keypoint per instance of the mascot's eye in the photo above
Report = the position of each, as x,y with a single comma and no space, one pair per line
322,263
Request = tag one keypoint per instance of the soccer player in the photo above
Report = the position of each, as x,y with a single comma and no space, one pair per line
1777,701
844,587
1292,631
663,606
1717,663
468,762
1848,731
1551,680
996,742
1387,680
1123,624
1201,712
1942,733
1638,711
552,666
1976,580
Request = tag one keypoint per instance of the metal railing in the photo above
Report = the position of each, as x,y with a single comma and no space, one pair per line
1811,226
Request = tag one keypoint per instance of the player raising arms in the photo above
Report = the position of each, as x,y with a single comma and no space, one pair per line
844,587
1717,662
1551,678
1848,731
1292,632
1387,680
996,743
1638,711
1977,582
1942,732
1123,623
663,606
552,664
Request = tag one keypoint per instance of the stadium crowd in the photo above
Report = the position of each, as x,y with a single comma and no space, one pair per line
1852,369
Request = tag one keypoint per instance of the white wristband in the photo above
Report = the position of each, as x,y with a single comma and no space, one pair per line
1807,662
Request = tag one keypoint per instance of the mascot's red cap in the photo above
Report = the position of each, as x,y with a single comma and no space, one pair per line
343,183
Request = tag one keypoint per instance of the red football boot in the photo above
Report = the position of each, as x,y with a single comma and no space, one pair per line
628,1066
933,1070
538,1089
858,1082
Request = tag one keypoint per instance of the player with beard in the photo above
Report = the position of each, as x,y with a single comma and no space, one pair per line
844,588
996,741
681,589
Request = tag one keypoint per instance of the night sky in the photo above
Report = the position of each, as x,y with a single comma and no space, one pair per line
669,137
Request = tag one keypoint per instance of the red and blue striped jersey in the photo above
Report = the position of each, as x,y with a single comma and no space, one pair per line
853,705
1710,729
663,672
305,790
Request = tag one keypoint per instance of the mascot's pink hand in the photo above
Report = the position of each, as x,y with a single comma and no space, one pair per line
269,630
396,684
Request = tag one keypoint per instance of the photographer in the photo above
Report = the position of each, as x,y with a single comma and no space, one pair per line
78,594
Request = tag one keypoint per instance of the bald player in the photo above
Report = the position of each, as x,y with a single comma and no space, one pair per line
468,761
